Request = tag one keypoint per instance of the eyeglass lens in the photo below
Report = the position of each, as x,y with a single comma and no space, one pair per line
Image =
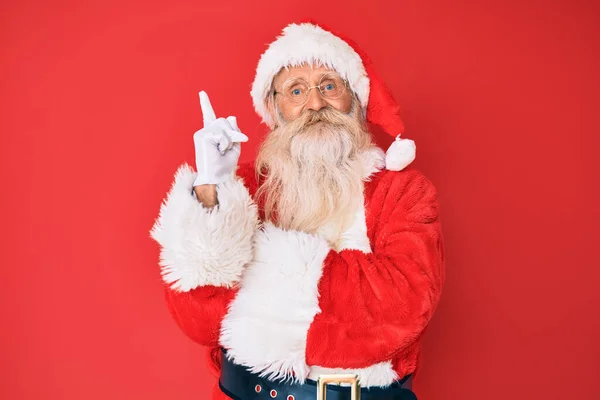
331,87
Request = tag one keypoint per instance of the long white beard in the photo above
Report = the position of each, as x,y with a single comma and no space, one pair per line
313,171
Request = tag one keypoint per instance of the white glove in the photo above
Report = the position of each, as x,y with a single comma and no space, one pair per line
217,146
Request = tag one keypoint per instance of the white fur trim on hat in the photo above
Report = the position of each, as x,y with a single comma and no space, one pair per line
307,44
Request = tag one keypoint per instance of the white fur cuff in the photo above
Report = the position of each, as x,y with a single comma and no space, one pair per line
202,246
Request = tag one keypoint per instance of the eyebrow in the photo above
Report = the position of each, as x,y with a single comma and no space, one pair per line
318,77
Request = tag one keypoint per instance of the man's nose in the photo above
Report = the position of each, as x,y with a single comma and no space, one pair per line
315,101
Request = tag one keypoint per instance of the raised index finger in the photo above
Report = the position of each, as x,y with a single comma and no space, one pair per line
208,114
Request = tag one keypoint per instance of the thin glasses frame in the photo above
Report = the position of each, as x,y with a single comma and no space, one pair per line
333,76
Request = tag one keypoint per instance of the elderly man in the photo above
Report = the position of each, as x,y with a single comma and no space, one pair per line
325,255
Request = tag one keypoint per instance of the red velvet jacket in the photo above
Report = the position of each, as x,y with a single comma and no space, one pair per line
291,306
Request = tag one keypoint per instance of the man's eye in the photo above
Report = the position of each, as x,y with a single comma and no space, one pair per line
296,92
328,86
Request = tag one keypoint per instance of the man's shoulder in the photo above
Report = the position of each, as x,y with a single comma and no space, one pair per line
409,177
410,185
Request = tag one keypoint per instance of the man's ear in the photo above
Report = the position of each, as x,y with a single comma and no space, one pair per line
271,107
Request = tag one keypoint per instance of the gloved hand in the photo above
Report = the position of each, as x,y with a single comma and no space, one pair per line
217,145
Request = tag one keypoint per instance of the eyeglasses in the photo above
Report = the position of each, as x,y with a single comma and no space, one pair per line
296,90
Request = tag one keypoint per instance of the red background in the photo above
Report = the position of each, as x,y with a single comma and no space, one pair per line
99,104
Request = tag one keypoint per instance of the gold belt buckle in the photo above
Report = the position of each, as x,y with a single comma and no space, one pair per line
325,379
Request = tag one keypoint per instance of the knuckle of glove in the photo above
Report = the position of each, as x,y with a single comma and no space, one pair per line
210,135
222,124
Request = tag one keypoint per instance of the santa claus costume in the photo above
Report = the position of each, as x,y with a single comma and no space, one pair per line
287,305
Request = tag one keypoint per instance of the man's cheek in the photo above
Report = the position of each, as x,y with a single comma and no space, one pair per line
344,105
290,113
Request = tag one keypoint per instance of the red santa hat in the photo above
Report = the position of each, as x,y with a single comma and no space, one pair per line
308,43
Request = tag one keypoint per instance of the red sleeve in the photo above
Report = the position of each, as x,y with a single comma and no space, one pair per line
200,311
248,175
373,306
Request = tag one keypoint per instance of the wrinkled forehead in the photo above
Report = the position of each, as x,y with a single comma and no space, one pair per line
310,73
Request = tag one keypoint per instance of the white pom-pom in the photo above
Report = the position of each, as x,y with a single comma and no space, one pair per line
400,154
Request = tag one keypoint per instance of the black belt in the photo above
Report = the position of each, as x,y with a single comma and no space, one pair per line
240,384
